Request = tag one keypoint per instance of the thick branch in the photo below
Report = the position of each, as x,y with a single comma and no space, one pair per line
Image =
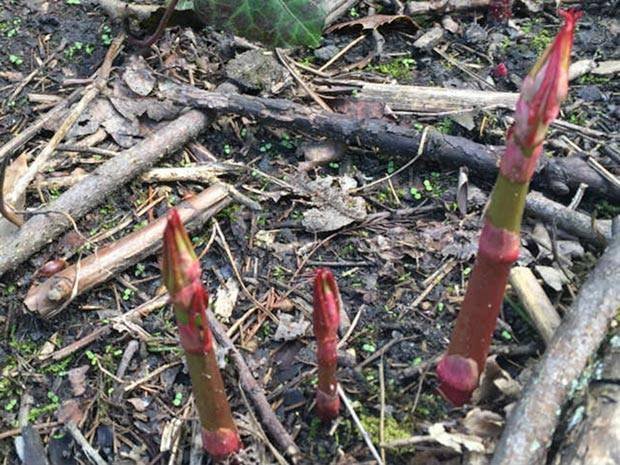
50,296
531,424
558,175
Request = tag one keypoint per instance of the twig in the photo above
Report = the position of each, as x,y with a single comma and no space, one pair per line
382,402
530,426
79,344
342,52
40,230
284,59
402,168
576,200
260,432
22,139
600,169
254,390
231,259
37,165
571,221
30,77
379,353
89,450
151,375
360,426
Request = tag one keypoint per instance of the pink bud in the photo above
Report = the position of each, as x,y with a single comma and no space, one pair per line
545,87
180,266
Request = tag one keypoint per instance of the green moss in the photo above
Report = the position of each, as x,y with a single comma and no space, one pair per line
541,40
393,430
399,68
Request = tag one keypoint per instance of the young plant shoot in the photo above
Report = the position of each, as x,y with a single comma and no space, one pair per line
326,319
539,103
181,273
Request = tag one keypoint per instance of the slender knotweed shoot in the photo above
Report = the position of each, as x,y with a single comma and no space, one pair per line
539,103
181,272
326,319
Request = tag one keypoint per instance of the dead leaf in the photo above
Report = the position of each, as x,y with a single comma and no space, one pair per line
495,382
375,21
360,108
553,278
320,153
48,347
138,76
335,207
69,411
13,172
139,404
226,299
483,423
77,378
289,329
455,441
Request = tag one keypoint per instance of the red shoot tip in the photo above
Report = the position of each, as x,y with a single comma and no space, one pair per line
326,319
545,87
180,266
458,378
326,304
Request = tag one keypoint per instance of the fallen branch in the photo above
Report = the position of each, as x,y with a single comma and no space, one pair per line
52,221
558,175
571,221
530,426
51,296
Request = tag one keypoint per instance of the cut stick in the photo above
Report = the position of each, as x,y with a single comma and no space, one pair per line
532,422
52,221
51,296
424,99
558,175
445,6
421,99
536,303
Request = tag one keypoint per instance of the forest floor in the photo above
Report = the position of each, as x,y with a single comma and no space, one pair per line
402,260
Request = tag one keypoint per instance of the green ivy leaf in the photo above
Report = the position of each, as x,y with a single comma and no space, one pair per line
276,23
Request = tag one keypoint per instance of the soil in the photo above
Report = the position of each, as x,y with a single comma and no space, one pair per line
383,263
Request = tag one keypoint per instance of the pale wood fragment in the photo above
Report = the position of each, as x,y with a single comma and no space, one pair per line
536,303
